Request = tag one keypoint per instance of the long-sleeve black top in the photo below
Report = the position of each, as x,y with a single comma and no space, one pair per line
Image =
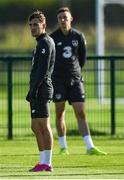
70,54
42,63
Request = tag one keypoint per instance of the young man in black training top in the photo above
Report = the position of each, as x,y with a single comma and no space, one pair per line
67,80
41,90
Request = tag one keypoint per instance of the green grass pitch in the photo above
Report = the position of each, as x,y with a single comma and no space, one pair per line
18,156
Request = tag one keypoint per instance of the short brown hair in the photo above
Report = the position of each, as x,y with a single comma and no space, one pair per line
63,9
37,14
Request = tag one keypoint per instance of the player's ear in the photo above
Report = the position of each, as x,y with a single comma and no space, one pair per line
44,24
71,18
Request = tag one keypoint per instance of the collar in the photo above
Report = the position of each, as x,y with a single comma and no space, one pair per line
40,37
63,34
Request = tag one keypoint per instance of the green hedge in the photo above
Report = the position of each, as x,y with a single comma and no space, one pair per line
83,10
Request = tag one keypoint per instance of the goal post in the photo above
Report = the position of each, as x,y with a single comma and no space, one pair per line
100,41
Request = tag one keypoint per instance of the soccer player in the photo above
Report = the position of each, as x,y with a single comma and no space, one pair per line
67,80
41,90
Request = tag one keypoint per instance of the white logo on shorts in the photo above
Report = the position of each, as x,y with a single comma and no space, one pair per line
83,96
58,96
73,57
33,110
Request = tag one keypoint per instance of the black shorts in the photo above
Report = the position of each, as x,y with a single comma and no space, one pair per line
40,105
39,108
64,91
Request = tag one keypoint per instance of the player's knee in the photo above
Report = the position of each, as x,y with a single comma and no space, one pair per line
35,128
60,115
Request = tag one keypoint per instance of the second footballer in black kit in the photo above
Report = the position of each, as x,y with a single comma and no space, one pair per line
70,58
67,79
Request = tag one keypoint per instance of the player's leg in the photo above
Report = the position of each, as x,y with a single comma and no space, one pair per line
79,109
46,154
77,99
59,98
42,130
35,126
61,126
60,118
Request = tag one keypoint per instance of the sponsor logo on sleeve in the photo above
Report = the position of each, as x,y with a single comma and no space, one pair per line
43,51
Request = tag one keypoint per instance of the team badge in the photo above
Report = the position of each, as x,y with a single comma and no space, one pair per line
75,43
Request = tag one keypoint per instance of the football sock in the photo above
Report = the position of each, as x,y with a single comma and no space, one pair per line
46,157
88,141
62,142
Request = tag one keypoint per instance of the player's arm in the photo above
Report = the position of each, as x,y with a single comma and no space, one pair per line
43,51
82,50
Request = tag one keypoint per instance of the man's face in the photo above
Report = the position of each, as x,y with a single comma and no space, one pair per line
37,27
64,20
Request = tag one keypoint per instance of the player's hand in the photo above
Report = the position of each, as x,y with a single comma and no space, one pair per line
28,97
32,94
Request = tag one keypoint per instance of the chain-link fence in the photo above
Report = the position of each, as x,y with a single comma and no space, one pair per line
104,86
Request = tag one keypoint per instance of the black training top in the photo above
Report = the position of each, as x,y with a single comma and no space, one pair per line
70,54
42,63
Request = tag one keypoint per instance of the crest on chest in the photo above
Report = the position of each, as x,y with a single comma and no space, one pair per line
75,43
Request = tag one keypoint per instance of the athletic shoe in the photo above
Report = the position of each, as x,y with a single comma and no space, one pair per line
95,151
64,151
41,167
